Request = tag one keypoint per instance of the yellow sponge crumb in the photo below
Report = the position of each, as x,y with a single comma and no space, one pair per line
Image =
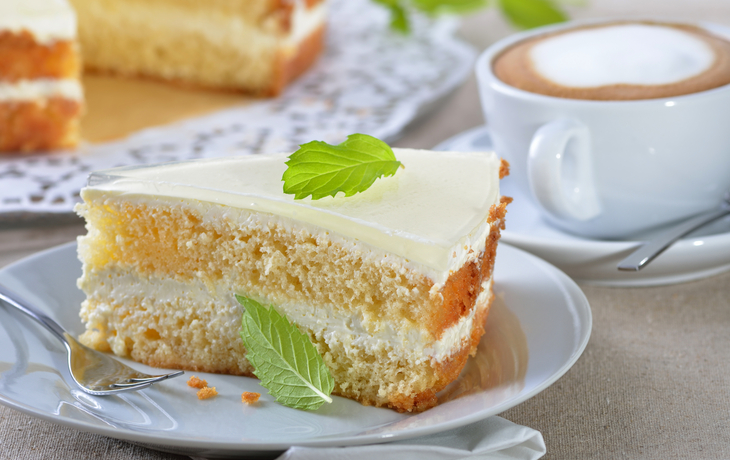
195,382
207,392
249,397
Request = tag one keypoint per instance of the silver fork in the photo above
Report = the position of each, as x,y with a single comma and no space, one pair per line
95,372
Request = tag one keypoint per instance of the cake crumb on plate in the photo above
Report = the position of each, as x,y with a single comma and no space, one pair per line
195,382
207,392
249,397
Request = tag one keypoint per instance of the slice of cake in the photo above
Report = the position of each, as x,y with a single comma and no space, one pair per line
256,46
40,92
393,285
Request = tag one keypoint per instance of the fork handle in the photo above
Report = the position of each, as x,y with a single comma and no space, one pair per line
14,300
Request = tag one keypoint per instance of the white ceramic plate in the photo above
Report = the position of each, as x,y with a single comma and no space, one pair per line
538,327
702,253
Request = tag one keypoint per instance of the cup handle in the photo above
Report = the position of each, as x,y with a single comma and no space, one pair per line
560,170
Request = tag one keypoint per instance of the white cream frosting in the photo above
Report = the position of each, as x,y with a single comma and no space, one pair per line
433,212
41,88
214,214
636,54
47,20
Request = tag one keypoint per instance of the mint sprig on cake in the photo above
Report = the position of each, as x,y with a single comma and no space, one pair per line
320,169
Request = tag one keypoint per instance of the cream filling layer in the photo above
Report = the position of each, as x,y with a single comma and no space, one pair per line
329,323
411,345
306,20
47,20
42,88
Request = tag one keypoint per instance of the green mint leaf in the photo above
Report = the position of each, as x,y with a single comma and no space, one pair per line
399,20
320,169
571,2
527,14
398,17
434,7
284,358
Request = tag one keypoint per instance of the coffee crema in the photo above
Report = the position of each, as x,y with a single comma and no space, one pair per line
618,61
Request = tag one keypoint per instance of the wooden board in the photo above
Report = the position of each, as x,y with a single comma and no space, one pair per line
119,106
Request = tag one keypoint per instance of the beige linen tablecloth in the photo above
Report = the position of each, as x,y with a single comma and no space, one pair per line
654,381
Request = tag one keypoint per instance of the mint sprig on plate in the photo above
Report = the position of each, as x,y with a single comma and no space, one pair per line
320,169
284,358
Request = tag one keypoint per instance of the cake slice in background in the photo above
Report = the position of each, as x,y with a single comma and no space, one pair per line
40,92
393,285
256,46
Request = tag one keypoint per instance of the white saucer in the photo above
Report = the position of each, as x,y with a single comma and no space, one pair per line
703,253
538,326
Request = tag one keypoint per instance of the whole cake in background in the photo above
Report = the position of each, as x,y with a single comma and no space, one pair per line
41,97
393,285
255,46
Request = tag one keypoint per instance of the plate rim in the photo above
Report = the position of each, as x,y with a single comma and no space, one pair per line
176,444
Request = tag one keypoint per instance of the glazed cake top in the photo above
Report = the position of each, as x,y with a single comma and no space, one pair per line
432,212
47,20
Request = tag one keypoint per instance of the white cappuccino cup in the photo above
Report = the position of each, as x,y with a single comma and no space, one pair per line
610,168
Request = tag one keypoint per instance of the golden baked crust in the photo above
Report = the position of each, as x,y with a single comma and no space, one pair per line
21,57
43,123
27,126
283,11
291,65
445,372
448,370
462,288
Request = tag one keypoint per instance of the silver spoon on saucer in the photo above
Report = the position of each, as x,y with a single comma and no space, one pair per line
649,250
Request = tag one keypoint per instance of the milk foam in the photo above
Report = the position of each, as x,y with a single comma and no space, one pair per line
636,54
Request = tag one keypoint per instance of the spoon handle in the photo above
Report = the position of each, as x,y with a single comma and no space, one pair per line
649,250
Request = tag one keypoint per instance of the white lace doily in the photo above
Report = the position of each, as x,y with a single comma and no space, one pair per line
369,80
